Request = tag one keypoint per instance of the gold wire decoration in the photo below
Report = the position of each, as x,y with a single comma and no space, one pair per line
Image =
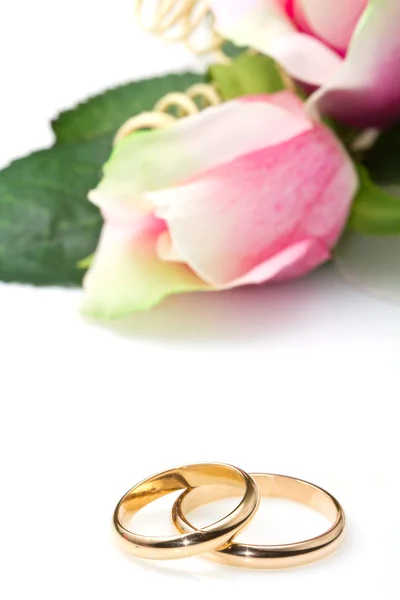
179,21
191,102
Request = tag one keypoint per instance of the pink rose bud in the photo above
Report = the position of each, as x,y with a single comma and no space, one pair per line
348,49
247,192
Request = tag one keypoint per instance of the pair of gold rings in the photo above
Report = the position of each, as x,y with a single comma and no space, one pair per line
207,482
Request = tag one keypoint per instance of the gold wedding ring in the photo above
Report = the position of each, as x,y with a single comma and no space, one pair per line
278,556
191,477
207,482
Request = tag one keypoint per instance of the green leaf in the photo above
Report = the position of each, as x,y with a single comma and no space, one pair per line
46,224
106,113
85,262
383,161
231,50
246,75
374,211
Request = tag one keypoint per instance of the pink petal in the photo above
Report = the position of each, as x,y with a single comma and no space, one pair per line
126,274
231,219
333,22
290,102
229,12
159,159
366,90
166,250
295,261
266,26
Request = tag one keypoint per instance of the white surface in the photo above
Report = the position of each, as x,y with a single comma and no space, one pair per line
300,379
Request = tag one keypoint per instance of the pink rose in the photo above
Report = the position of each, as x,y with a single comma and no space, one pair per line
250,191
348,49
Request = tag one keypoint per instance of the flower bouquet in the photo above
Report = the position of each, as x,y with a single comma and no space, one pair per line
283,156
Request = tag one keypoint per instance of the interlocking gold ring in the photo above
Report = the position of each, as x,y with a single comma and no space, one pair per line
278,556
194,542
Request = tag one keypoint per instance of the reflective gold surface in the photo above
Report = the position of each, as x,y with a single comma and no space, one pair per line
277,556
203,477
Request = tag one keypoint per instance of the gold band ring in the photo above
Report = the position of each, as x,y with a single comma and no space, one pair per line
199,476
278,556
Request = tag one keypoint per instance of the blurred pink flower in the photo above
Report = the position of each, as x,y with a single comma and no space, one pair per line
247,192
348,49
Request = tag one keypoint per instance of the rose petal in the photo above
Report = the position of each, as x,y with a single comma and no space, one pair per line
159,159
290,102
231,219
371,263
366,90
265,25
295,261
332,22
166,249
126,274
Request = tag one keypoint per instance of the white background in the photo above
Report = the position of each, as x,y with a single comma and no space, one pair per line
300,378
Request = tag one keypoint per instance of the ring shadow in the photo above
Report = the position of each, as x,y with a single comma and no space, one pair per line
209,570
